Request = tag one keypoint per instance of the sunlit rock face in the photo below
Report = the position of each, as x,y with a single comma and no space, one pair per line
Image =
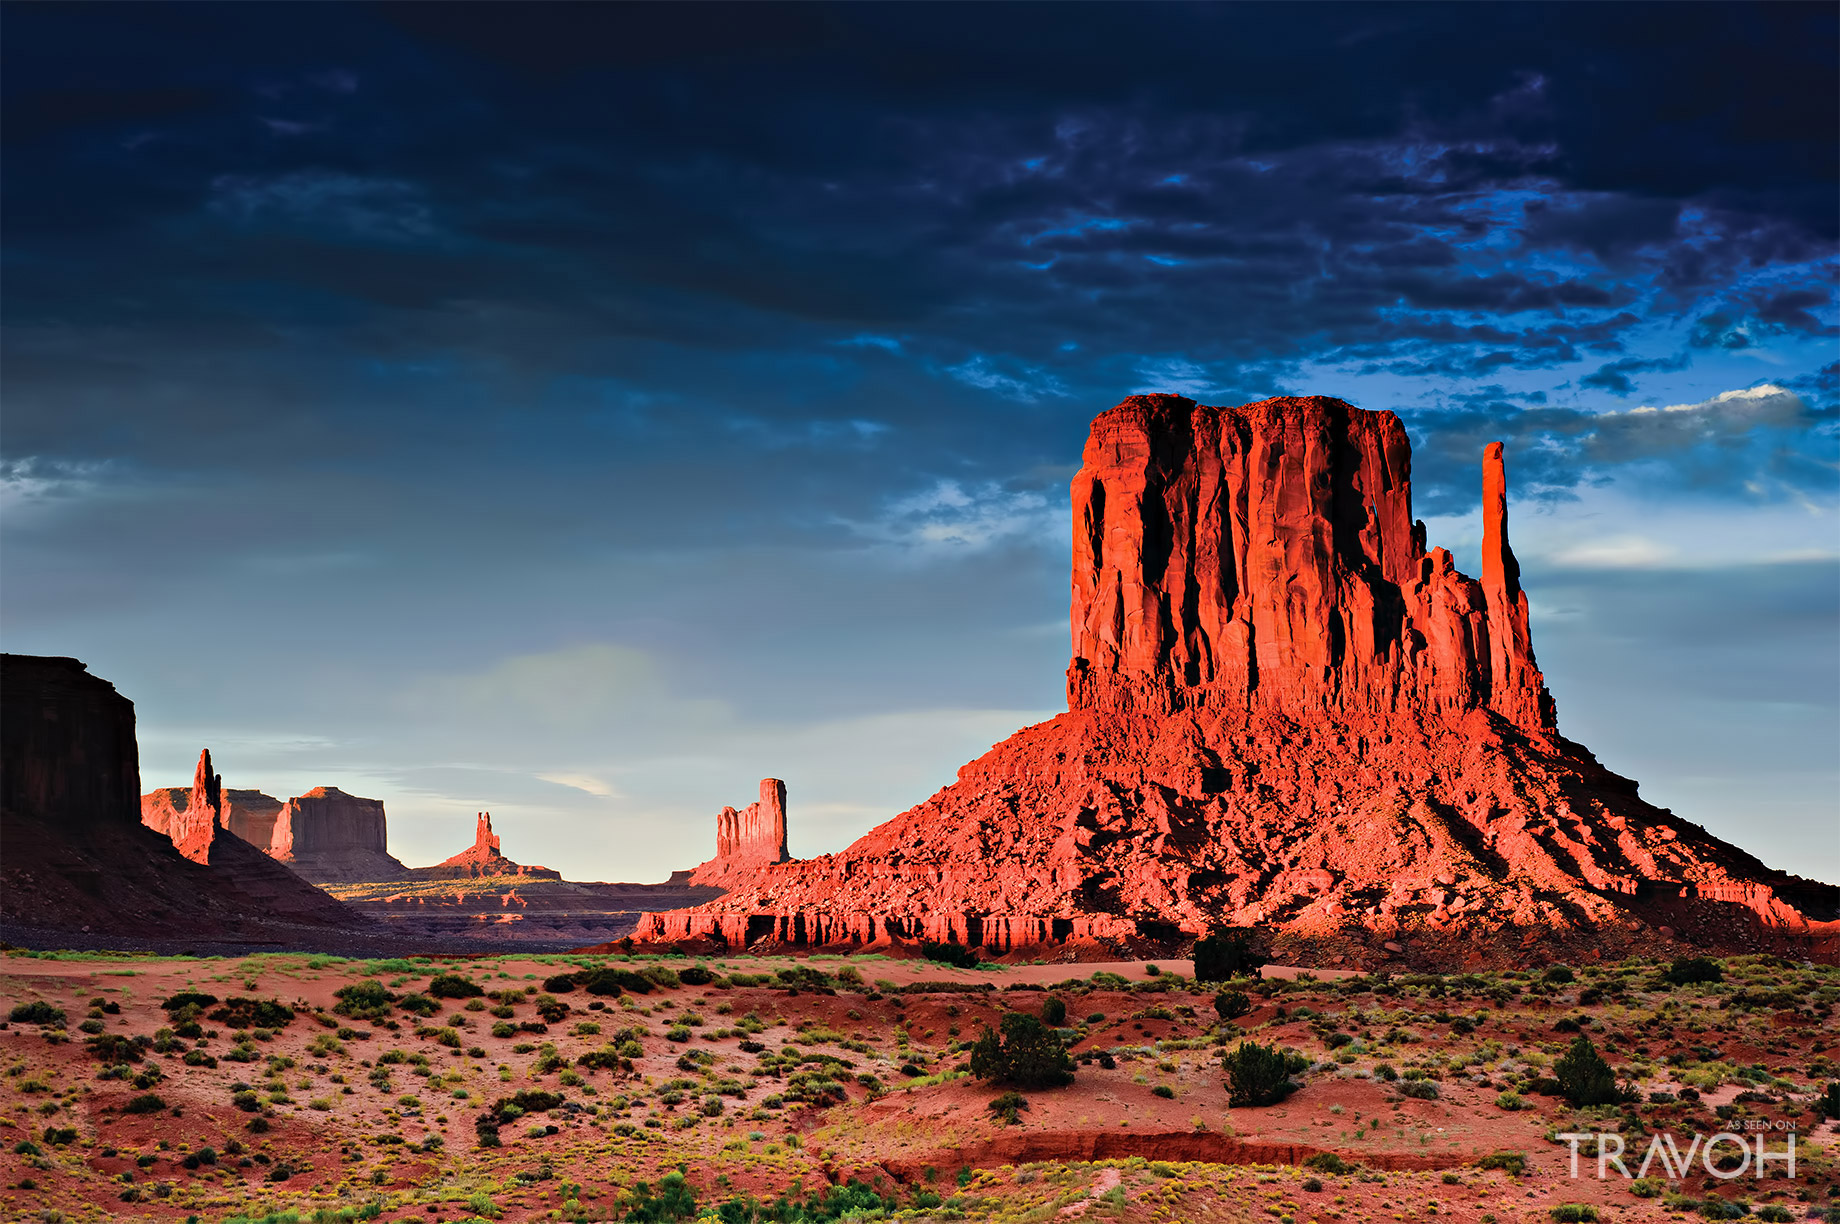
1284,710
484,858
327,835
747,840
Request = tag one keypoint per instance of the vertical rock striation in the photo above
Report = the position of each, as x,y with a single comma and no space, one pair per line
749,839
1283,710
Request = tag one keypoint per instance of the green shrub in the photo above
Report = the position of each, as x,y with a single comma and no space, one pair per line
1585,1078
697,975
1330,1163
453,986
254,1013
144,1104
674,1201
1256,1075
1829,1104
1647,1187
419,1005
1422,1090
37,1012
953,953
1514,1164
1511,1101
1008,1107
1776,1213
1558,975
188,998
1573,1213
1054,1011
363,999
1694,970
1164,1091
1028,1054
1227,952
1231,1004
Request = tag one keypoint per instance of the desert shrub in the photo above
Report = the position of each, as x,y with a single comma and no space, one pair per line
1027,1054
198,1058
36,1012
188,998
953,953
1164,1091
1694,970
1008,1107
625,979
1512,1163
1584,1076
1054,1011
561,983
697,975
1422,1090
1227,952
114,1048
364,1000
418,1005
1511,1101
1647,1187
254,1013
1256,1075
1313,1184
144,1104
1330,1163
1558,975
1776,1213
607,1058
673,1201
1829,1103
1231,1004
662,976
604,983
1573,1213
453,986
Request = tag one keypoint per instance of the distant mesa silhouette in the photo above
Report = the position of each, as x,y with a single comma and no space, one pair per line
1284,711
481,859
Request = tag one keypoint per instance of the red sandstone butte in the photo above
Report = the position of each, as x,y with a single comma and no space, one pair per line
193,826
482,859
328,836
1284,710
747,840
79,861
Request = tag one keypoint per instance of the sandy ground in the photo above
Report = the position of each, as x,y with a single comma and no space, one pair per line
1152,1138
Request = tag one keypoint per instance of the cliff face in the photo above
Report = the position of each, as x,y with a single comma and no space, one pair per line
328,835
1284,711
1266,557
77,856
251,815
749,839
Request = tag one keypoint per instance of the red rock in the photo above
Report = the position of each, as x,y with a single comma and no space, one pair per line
483,858
748,839
192,827
251,815
1283,711
328,836
79,862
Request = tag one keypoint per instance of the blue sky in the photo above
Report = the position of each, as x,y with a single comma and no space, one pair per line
580,412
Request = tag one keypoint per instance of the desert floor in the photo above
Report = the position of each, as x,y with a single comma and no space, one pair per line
789,1078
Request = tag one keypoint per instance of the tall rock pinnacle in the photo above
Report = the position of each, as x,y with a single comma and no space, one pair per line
749,839
1284,710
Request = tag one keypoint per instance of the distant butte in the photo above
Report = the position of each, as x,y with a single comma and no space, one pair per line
1284,710
482,859
747,840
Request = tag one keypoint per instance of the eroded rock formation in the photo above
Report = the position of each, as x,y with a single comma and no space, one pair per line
189,816
78,859
252,816
1286,711
484,858
327,835
749,839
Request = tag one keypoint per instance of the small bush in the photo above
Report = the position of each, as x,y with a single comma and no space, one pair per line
1558,975
950,954
1573,1213
144,1104
1330,1163
1584,1076
696,975
37,1012
1421,1090
1256,1075
1227,952
1694,970
1313,1184
1511,1101
1231,1004
1647,1187
1008,1107
1054,1011
1164,1091
254,1013
1514,1164
453,986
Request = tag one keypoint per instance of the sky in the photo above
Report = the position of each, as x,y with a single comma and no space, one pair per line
581,412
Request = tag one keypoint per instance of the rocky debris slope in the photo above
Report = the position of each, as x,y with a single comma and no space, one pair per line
483,859
77,857
327,835
1285,711
749,839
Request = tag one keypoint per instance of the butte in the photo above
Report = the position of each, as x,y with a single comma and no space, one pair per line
1284,712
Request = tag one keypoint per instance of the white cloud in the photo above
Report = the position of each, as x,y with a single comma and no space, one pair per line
950,515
